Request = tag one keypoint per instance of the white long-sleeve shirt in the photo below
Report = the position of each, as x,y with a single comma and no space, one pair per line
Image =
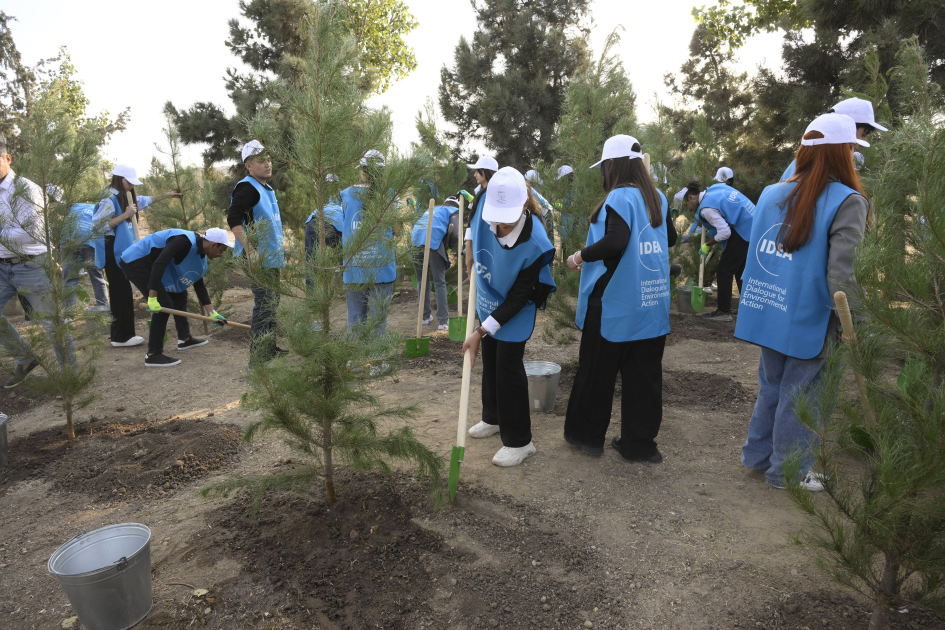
21,217
722,229
107,209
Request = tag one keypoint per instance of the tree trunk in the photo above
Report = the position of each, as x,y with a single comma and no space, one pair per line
880,618
70,427
329,470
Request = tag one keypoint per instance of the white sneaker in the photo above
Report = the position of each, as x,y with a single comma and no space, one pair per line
513,456
443,327
134,341
428,320
483,430
813,482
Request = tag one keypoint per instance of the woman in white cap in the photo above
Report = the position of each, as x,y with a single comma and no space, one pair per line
512,254
483,170
623,309
803,241
119,236
163,265
725,214
369,275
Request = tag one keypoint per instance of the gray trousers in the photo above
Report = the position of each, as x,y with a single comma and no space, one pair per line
438,275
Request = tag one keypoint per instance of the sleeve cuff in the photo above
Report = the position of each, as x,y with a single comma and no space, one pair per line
468,235
491,326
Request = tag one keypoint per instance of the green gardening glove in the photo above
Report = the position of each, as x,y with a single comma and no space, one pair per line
468,196
704,251
216,315
153,305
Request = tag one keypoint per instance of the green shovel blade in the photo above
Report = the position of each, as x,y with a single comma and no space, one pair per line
455,460
457,328
451,295
417,347
698,299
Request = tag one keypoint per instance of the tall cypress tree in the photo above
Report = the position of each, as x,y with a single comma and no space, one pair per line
507,87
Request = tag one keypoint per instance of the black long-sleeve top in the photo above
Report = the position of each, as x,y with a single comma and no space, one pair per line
175,249
526,287
245,198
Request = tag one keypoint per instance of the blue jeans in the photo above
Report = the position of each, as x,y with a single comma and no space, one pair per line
30,278
774,432
438,273
84,258
373,301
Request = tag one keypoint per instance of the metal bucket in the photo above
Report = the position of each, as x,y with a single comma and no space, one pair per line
3,441
93,320
543,380
684,300
107,575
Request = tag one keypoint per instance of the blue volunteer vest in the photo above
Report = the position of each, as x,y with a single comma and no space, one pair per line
735,208
176,277
788,172
333,214
268,226
635,304
374,263
441,225
497,269
124,237
786,303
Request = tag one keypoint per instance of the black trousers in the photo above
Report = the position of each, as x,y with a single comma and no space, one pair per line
140,274
640,364
731,265
505,391
120,296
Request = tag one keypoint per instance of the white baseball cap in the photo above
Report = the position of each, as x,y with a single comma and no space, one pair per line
724,174
564,170
619,146
123,170
485,162
860,110
331,177
54,192
374,157
533,177
678,197
837,129
505,196
251,148
216,235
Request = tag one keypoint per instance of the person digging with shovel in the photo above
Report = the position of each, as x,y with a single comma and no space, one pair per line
162,265
445,234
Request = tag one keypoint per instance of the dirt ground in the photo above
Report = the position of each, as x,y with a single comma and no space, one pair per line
563,541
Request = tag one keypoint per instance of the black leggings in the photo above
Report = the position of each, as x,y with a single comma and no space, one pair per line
505,391
731,266
120,296
140,275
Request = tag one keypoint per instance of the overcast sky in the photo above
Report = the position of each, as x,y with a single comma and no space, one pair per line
142,54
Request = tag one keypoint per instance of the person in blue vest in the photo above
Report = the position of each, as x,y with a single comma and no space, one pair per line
163,265
84,257
445,235
861,111
119,236
622,309
483,170
371,269
253,205
803,242
513,279
726,215
332,227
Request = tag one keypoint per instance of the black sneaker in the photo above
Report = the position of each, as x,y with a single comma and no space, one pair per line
587,450
159,360
193,342
718,316
19,374
656,458
280,352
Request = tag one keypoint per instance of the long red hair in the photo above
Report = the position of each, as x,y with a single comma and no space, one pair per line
814,166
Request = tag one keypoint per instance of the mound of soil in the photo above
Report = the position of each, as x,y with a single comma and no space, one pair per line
122,460
445,357
685,326
19,399
705,390
380,558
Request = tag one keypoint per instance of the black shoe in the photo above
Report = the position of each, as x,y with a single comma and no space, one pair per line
159,360
718,316
279,352
587,450
19,374
656,458
193,342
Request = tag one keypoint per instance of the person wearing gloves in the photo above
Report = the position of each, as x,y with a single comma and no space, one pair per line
445,234
332,227
726,215
253,204
162,265
622,309
861,111
803,241
483,170
119,236
513,278
369,275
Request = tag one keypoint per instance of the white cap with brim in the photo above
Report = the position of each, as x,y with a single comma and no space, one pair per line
837,129
505,197
564,170
724,174
54,192
373,157
485,162
123,170
617,147
251,148
533,177
860,110
216,235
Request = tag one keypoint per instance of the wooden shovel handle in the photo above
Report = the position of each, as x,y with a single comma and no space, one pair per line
703,260
426,261
467,366
134,217
849,337
461,245
204,318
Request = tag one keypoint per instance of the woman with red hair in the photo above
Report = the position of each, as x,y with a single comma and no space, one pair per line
803,239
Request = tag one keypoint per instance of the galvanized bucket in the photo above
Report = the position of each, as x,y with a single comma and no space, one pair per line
107,575
93,319
543,380
3,441
684,300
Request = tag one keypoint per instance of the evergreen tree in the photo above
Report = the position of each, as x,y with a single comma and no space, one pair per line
320,397
508,86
